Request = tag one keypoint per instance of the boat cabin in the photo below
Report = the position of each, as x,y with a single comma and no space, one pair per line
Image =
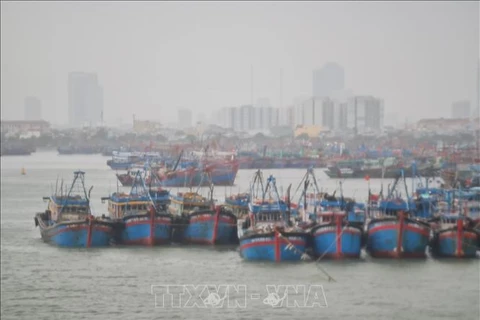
238,204
184,203
267,213
121,205
68,209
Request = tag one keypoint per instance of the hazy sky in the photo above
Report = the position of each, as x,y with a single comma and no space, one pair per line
153,58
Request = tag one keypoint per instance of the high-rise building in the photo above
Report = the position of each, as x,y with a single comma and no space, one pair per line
365,114
201,118
461,109
286,116
290,116
316,112
341,109
328,80
85,99
33,109
185,118
247,118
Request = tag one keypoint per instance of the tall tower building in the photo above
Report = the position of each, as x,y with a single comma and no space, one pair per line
85,99
328,79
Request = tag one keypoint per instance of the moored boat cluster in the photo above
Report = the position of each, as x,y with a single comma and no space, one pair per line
269,226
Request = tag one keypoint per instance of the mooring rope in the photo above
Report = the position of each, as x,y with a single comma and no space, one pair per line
333,242
305,256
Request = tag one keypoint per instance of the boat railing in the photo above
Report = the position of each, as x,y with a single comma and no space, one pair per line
274,216
76,216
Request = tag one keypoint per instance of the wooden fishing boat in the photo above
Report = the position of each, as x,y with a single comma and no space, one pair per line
199,221
144,214
268,233
336,225
455,237
68,221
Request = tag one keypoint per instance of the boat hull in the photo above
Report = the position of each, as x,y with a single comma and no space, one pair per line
392,238
211,228
186,178
219,178
76,234
143,230
332,241
271,247
119,165
451,243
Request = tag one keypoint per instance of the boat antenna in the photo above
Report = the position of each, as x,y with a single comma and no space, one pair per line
89,192
289,203
272,181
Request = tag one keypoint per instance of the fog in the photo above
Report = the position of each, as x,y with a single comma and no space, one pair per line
153,58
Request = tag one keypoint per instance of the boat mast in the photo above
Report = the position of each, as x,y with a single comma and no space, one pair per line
478,111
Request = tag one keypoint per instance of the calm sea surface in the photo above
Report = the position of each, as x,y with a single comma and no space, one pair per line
39,281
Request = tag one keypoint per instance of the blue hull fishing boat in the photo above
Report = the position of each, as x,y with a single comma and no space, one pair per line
336,238
397,237
68,221
276,245
337,223
455,237
268,233
211,227
394,233
238,203
198,221
144,214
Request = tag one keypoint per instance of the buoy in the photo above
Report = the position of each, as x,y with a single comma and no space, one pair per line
23,172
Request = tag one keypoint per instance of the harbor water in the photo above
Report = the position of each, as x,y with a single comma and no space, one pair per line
40,281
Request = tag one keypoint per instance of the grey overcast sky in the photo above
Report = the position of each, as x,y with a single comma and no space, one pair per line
153,58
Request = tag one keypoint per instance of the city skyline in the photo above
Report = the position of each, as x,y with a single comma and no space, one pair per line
202,56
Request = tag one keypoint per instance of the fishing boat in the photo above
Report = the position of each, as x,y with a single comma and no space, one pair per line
394,232
455,237
144,214
389,167
334,237
268,233
68,221
14,150
199,221
221,175
238,203
124,160
337,224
